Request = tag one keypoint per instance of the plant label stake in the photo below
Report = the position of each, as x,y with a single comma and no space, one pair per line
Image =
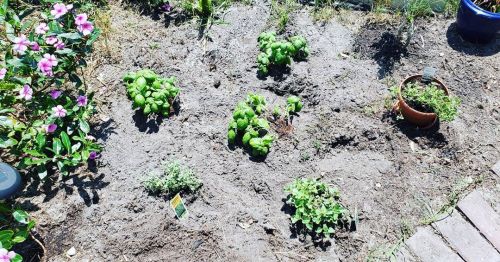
178,206
428,74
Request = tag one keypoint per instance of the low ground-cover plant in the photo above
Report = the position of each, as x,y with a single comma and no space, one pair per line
249,128
279,53
150,92
15,227
175,179
316,206
43,119
431,99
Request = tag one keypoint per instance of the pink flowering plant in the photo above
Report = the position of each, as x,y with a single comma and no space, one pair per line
44,117
15,227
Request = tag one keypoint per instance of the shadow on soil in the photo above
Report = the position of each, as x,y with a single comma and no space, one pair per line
104,130
433,137
278,73
388,52
85,186
30,249
458,44
381,43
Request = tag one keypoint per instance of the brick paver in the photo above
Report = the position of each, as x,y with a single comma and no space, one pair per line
496,168
404,255
482,216
466,240
429,247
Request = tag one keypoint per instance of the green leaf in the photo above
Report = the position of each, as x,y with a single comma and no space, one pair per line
18,239
65,51
75,147
6,122
5,238
40,141
42,172
56,146
66,142
21,216
72,36
17,258
93,37
15,62
84,126
6,142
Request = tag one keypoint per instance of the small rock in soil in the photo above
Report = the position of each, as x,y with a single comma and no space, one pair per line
216,83
270,229
71,252
197,243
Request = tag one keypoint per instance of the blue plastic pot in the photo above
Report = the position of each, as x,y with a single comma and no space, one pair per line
10,181
475,24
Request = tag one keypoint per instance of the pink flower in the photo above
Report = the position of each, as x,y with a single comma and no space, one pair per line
80,19
45,66
3,72
21,44
50,128
51,58
59,45
59,10
26,92
50,40
59,111
81,101
41,29
35,47
86,28
55,94
5,255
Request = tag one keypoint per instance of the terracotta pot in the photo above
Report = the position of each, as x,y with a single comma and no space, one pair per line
418,118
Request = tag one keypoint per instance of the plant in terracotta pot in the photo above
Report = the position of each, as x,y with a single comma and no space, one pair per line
423,103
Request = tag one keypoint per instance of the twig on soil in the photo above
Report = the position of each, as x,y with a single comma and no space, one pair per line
44,257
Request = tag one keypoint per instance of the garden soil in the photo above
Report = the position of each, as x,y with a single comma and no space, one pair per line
390,174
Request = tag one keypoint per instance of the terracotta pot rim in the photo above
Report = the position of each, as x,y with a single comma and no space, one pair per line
418,77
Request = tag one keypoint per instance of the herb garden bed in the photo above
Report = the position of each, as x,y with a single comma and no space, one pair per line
387,171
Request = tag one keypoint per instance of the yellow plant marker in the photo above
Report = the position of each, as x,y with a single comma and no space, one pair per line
178,206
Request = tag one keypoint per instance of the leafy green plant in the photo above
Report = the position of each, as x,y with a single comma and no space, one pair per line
15,227
279,53
43,117
150,92
175,179
293,104
431,99
248,126
316,206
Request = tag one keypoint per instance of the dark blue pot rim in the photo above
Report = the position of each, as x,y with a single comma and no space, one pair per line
479,10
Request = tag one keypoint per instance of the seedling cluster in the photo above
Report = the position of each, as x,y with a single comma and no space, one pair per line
150,92
316,206
279,53
249,128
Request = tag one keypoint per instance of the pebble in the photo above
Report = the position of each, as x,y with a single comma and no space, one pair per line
216,83
71,252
